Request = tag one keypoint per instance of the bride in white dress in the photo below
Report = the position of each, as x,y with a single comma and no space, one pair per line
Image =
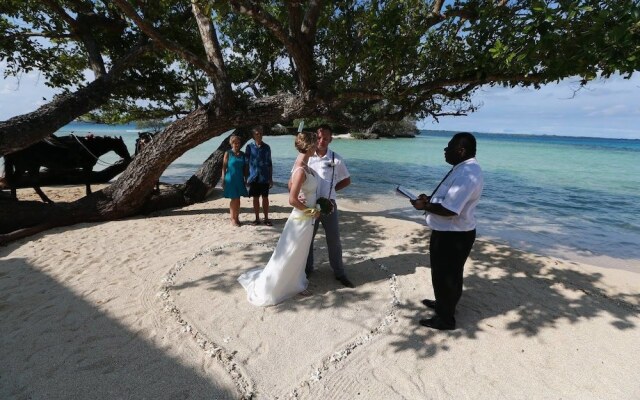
284,275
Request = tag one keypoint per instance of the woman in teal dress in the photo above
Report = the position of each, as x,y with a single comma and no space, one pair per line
234,178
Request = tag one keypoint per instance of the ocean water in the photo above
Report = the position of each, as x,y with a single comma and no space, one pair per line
550,194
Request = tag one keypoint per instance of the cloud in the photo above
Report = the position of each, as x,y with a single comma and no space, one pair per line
613,110
22,94
7,88
604,108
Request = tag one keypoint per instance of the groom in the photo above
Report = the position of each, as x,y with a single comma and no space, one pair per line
332,176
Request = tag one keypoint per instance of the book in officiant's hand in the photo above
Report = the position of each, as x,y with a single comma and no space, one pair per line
406,193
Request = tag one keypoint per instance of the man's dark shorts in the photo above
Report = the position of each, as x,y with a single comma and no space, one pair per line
258,189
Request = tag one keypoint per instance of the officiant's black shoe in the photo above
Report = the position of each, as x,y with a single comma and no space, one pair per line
437,323
429,303
345,281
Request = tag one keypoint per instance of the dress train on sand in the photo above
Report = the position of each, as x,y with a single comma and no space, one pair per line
284,275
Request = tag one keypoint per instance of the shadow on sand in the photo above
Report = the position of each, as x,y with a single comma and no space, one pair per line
498,281
55,345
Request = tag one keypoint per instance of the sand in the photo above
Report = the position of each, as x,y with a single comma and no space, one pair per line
149,307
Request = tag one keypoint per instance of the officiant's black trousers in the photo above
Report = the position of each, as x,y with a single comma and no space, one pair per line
448,253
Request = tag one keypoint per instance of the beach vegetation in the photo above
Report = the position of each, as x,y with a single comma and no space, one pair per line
215,66
364,135
156,125
405,128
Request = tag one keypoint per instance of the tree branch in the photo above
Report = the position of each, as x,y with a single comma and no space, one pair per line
437,7
83,33
349,95
435,16
214,54
48,35
295,16
462,13
82,6
252,84
475,80
24,130
457,113
301,51
310,23
173,47
263,18
427,90
57,9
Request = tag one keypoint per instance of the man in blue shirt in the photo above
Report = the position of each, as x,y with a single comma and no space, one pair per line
260,174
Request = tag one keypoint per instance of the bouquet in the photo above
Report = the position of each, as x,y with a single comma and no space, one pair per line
324,205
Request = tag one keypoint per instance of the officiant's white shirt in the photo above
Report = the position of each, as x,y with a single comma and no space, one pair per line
325,168
459,192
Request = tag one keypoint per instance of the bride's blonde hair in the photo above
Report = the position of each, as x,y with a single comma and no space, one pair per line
305,141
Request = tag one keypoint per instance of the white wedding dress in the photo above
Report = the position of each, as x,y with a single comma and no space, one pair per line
284,275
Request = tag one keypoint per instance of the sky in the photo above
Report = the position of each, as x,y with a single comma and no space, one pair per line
604,108
607,108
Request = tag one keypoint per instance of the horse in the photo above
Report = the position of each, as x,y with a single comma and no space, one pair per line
61,153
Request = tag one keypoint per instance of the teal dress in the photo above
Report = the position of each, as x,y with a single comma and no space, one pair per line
234,187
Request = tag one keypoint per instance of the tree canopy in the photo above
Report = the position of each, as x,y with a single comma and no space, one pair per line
406,57
215,65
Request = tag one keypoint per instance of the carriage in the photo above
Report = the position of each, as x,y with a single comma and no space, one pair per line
64,153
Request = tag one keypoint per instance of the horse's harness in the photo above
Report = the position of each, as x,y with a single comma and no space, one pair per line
98,161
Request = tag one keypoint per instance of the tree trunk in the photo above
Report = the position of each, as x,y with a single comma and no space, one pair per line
201,184
133,189
24,130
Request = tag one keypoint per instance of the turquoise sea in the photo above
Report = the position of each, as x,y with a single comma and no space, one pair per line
555,195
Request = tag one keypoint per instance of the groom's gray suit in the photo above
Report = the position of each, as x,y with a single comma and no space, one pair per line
331,171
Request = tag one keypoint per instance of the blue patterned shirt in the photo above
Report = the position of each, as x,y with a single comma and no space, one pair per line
259,162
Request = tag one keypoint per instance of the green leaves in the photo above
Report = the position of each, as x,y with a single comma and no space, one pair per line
390,58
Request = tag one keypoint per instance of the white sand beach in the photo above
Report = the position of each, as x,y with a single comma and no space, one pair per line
149,307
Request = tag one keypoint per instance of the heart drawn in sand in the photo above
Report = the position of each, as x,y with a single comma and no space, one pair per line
275,350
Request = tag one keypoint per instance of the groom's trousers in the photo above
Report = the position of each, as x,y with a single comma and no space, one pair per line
334,246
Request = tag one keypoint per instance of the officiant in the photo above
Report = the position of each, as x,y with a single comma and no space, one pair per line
450,213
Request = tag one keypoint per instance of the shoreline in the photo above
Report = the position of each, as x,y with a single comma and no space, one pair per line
565,254
518,206
150,307
74,192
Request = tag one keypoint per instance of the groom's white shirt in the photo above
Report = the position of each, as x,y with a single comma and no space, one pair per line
325,167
